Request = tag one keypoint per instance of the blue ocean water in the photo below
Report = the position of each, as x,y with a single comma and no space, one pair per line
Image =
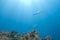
27,15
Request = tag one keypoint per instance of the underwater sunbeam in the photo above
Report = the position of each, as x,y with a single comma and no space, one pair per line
26,2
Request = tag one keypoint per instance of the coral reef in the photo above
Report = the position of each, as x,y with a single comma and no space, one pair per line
34,35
